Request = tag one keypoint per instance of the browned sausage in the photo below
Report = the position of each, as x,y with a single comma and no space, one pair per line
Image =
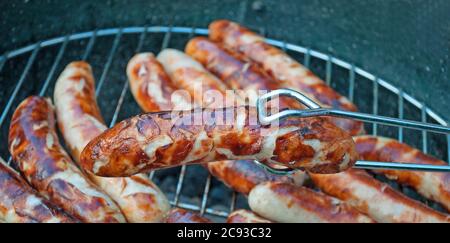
80,121
246,216
189,75
229,67
167,139
152,88
181,216
239,175
34,145
243,175
205,89
285,69
287,203
239,73
234,70
19,203
435,186
376,199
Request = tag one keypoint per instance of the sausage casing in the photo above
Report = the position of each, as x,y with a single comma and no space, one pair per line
245,216
247,79
47,167
80,121
243,175
20,203
240,73
435,186
167,139
287,203
181,216
285,69
376,199
240,175
231,68
190,76
152,88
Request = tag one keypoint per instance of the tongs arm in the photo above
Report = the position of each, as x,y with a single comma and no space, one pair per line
315,109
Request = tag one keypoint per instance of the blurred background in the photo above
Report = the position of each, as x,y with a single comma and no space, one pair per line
404,41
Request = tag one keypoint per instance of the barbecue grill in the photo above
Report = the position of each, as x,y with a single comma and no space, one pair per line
32,70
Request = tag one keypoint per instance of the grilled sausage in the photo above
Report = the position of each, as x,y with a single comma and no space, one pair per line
287,203
228,66
234,70
187,74
245,216
231,68
435,186
243,175
205,89
285,69
19,203
239,175
376,199
80,121
239,73
35,147
167,139
152,88
181,216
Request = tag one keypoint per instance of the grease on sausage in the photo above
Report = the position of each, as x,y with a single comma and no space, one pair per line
20,203
239,73
287,203
376,199
245,216
152,88
167,139
236,72
284,68
243,175
189,75
435,186
80,121
181,216
34,145
239,175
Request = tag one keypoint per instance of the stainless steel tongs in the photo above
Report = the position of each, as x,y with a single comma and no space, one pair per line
315,110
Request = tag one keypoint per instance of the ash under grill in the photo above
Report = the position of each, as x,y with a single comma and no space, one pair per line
33,70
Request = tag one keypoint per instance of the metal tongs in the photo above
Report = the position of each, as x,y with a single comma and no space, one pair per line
315,110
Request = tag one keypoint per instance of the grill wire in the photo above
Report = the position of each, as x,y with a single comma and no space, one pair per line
33,70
